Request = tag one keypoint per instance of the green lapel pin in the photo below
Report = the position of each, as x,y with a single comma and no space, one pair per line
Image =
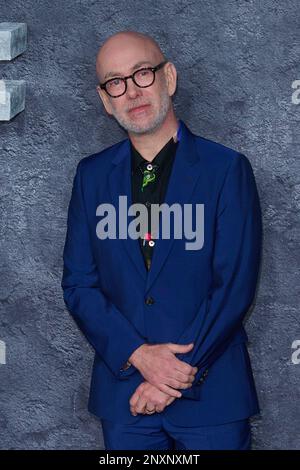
148,177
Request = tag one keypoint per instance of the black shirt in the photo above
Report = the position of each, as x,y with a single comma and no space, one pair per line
150,187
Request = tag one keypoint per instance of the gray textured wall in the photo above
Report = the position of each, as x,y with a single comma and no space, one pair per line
236,61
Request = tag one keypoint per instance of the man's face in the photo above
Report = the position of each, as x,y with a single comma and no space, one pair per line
156,98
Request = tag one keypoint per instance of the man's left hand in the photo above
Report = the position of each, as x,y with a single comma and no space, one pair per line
147,399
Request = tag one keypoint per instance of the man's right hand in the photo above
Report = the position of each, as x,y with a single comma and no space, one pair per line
159,366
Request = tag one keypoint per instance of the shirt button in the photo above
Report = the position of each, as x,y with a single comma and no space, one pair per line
149,300
151,243
149,167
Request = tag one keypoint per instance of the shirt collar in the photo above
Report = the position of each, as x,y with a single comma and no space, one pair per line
160,159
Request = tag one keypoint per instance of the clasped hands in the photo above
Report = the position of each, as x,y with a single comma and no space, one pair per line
164,374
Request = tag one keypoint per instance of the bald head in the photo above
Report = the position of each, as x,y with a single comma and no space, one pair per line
125,49
120,56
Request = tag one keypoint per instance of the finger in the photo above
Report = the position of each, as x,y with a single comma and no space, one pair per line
180,348
184,368
134,399
182,378
170,391
182,383
133,402
170,400
133,410
178,385
141,405
161,407
150,408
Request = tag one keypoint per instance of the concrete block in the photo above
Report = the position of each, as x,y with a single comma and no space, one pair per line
12,98
13,40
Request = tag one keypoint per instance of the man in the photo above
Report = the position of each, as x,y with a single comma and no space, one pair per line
171,367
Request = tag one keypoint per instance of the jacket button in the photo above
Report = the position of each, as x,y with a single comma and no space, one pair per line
149,300
204,375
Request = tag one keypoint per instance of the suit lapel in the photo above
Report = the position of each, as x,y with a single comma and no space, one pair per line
180,187
120,184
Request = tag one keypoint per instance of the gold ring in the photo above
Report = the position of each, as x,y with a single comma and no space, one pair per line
150,411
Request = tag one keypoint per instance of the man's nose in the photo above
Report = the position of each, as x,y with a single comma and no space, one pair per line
132,89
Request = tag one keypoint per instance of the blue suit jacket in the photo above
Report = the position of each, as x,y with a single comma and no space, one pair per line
200,296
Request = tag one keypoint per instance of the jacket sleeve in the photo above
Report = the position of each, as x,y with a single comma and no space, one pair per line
235,266
109,332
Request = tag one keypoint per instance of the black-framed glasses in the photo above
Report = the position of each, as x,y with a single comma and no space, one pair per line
143,78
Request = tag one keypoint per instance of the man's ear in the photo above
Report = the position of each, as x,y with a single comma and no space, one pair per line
171,77
105,100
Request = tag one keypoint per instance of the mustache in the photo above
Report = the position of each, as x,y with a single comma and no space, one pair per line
138,105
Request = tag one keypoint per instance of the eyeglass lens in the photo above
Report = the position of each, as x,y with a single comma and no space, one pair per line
143,78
